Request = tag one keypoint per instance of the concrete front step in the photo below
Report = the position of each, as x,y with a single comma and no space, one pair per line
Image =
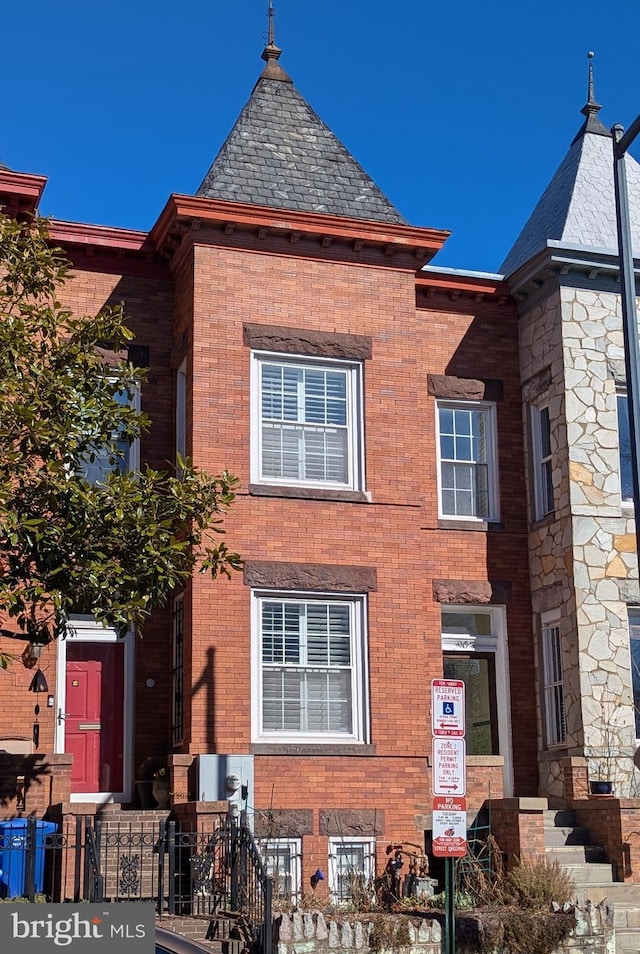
576,854
589,874
561,818
555,837
620,894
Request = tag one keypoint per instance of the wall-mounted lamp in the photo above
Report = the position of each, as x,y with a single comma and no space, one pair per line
39,683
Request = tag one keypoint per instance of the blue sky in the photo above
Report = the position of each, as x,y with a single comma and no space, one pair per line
460,111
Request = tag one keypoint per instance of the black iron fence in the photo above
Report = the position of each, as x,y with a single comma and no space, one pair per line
215,871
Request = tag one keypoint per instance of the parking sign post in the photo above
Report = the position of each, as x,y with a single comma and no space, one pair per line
449,786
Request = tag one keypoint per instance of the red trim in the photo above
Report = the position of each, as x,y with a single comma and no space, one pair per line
461,283
180,210
20,191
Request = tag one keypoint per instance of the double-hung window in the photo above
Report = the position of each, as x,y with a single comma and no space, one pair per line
116,456
307,422
310,665
542,461
467,458
553,688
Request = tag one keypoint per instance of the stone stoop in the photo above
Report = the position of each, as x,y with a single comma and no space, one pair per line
570,845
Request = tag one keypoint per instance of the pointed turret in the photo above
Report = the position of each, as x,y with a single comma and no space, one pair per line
280,154
578,206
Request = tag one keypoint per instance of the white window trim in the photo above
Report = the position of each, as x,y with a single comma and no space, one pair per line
359,670
550,630
540,508
495,642
355,428
295,857
369,862
488,408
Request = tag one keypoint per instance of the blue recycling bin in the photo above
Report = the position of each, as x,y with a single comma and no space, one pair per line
13,855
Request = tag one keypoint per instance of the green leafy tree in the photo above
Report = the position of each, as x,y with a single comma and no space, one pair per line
115,547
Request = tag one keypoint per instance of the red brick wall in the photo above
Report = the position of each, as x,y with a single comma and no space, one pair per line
397,532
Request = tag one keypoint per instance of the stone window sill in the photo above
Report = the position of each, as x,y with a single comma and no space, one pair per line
309,493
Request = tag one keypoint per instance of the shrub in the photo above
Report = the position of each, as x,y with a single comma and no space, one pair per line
535,885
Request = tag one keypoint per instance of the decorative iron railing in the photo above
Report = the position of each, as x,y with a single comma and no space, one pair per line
214,871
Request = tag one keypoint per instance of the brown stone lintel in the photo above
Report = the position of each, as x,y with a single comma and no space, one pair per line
310,576
536,385
181,759
283,822
471,591
351,821
325,750
547,598
446,386
484,526
309,493
326,344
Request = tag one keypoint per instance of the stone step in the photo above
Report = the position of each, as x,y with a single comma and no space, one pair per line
576,854
554,837
616,892
627,940
589,874
559,818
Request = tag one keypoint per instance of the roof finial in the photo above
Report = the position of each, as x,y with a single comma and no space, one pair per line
591,107
271,52
272,34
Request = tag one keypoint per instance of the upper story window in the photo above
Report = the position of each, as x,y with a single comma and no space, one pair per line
468,460
118,456
542,461
307,427
624,444
309,669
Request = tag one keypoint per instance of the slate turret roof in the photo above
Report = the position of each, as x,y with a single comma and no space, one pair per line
578,206
280,154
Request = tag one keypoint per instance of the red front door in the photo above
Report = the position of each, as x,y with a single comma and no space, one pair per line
94,716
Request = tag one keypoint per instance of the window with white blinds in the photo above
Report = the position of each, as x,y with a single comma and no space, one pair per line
307,418
310,682
467,457
555,725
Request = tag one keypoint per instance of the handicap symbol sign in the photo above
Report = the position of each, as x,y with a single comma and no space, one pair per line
448,708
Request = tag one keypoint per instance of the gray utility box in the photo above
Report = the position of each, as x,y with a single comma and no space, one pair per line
228,777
